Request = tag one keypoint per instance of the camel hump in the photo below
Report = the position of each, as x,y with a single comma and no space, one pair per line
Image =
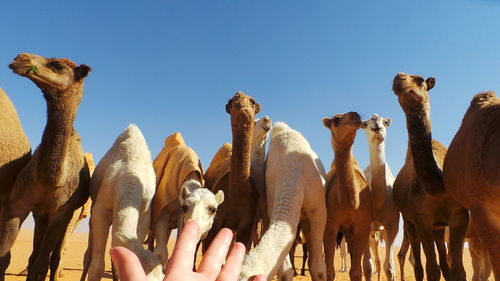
174,139
485,97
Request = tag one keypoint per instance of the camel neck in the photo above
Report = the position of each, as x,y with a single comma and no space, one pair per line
429,175
240,158
378,182
56,139
345,174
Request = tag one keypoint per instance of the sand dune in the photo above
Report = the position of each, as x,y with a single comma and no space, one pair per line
72,261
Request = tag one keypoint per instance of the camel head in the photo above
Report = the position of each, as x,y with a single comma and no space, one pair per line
261,130
242,108
412,91
343,127
53,76
375,128
199,205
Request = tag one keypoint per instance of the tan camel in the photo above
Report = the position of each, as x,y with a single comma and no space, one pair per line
15,149
348,199
239,210
55,181
380,178
418,190
472,170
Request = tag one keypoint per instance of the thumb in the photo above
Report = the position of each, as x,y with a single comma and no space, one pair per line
128,265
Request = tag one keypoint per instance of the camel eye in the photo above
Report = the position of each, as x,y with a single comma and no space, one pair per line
419,80
212,210
252,101
185,208
57,66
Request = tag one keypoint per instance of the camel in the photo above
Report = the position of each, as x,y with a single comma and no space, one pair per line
299,240
380,178
180,192
295,180
15,150
419,190
121,189
257,169
54,183
471,171
239,212
348,196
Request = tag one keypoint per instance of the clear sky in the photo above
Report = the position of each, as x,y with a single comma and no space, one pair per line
172,65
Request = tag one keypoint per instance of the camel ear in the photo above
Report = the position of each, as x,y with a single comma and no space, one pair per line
431,81
257,108
219,197
228,107
387,122
82,71
327,122
184,194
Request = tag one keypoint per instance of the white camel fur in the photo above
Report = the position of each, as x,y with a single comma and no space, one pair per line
121,189
257,168
380,178
180,194
295,180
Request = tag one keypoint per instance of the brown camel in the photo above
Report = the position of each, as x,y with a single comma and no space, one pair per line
239,210
418,190
15,149
348,199
55,181
472,170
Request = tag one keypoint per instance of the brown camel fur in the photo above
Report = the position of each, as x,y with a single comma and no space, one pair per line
15,150
472,170
418,190
55,181
239,210
348,199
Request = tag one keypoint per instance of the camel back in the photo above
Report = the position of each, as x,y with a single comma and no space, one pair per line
219,167
172,166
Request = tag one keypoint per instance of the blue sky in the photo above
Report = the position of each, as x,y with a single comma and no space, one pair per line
172,65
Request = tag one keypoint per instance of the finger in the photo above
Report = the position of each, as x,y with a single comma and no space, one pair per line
259,278
185,247
232,268
216,254
127,263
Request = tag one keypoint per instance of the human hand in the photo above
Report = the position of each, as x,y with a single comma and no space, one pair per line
180,265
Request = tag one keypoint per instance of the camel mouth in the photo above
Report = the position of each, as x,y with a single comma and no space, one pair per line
266,128
376,130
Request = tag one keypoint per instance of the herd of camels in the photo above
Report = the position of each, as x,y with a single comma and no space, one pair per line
263,197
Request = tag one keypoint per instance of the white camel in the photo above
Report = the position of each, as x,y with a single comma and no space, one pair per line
180,194
257,168
121,189
295,180
380,178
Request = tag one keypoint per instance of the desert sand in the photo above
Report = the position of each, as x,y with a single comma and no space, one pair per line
72,261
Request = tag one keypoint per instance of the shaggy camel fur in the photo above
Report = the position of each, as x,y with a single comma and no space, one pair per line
348,199
121,189
15,150
240,210
472,170
257,168
294,192
380,178
55,181
419,191
180,192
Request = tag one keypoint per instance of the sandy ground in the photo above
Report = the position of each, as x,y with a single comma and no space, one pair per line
72,261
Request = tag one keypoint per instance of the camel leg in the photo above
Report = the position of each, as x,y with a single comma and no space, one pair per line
330,236
343,255
458,229
304,259
426,235
479,260
41,224
57,270
389,234
100,222
292,256
52,238
285,272
486,224
162,234
415,250
11,218
55,259
443,257
376,254
367,263
358,244
314,231
405,246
